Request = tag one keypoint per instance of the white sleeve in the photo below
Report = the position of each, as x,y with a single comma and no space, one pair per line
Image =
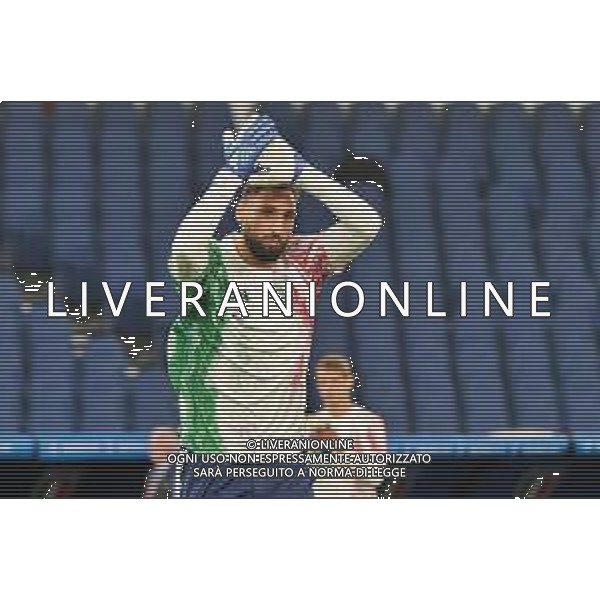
189,251
358,222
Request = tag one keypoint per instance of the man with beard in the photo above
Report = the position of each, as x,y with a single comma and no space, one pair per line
241,376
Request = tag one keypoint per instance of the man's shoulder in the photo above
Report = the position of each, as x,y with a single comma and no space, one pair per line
226,245
227,240
308,251
303,242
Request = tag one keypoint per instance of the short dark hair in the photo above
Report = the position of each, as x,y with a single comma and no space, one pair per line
267,189
335,362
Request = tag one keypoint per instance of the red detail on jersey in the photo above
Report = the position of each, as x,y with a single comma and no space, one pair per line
311,260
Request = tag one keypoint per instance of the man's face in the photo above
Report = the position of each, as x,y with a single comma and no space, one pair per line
267,218
335,383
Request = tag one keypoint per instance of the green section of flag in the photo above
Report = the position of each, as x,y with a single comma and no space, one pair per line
193,345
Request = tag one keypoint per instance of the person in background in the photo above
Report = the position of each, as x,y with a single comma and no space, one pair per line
161,481
342,417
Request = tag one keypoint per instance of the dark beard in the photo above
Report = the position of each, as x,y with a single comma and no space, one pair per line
261,252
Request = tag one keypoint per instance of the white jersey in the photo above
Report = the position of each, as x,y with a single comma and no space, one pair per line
358,423
367,430
259,371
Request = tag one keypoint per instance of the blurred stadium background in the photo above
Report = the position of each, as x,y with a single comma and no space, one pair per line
477,192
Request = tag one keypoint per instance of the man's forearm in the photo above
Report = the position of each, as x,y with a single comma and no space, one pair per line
190,247
358,222
353,212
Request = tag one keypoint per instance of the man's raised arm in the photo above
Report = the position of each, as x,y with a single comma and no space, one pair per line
189,252
358,222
